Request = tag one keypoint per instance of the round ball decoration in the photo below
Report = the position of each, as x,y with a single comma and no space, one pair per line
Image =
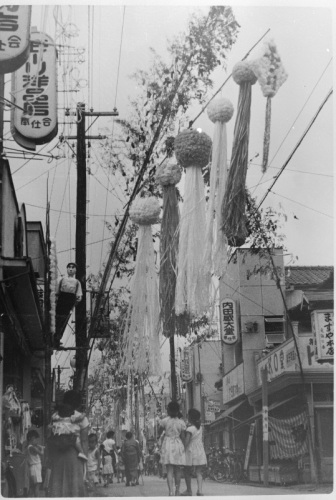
220,110
145,211
192,148
242,72
168,174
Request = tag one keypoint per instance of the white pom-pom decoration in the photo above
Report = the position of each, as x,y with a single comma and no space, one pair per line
145,211
220,110
168,174
242,72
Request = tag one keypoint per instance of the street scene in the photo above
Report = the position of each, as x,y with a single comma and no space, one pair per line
166,250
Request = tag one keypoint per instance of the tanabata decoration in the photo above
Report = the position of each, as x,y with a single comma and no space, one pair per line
168,175
192,150
220,111
271,75
141,349
52,284
233,219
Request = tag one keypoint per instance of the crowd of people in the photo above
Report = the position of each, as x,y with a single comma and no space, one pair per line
77,462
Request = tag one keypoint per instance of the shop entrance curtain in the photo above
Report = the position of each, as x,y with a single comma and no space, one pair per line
288,436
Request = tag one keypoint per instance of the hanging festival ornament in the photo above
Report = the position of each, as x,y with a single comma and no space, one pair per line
141,350
233,219
271,75
220,111
168,175
192,150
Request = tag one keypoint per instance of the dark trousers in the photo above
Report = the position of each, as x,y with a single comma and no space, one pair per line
65,303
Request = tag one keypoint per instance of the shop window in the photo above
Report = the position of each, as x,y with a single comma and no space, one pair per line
275,329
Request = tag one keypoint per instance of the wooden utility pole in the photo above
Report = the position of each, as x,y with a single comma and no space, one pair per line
264,390
82,341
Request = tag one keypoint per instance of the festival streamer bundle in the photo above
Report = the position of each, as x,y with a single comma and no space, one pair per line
220,111
141,349
192,150
233,218
271,75
168,175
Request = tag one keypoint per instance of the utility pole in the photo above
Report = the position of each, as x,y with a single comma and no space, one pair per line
82,340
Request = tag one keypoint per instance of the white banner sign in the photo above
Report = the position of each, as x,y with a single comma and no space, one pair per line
14,36
233,384
34,91
229,323
323,331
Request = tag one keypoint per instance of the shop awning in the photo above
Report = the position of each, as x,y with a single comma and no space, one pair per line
226,413
259,414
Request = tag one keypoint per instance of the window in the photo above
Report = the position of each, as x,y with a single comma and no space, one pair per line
275,329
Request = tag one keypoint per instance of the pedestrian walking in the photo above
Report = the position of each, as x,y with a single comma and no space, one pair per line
172,451
34,454
93,463
194,451
67,468
107,449
131,454
120,467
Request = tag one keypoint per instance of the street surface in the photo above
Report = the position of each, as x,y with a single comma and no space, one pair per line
153,486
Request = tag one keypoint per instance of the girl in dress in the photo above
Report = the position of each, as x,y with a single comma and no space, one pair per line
172,451
194,450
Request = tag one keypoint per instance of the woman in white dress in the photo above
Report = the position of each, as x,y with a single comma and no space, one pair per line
172,451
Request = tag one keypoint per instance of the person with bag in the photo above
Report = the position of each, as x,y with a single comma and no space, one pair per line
67,467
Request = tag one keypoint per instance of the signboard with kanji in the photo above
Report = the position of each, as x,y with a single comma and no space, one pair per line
323,331
14,36
34,92
229,324
187,365
233,384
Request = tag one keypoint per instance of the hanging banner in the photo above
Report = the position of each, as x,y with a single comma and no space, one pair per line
229,323
323,331
187,365
34,92
14,36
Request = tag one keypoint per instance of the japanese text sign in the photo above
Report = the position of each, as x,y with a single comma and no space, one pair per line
323,331
228,319
34,91
187,365
14,36
233,384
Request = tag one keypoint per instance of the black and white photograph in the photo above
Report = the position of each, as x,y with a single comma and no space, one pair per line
167,249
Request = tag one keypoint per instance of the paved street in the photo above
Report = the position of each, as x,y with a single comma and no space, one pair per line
153,486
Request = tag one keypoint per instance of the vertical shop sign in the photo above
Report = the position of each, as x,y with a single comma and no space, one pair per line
229,324
187,365
14,36
323,331
34,91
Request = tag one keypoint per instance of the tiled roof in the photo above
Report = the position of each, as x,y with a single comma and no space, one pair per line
307,276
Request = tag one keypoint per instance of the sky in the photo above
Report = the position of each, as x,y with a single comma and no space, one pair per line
117,41
120,44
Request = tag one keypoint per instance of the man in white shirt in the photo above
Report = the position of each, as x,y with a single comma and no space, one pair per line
69,293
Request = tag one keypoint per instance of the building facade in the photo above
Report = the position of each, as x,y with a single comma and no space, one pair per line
22,327
282,323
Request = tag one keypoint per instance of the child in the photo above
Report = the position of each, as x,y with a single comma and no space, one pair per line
67,421
107,448
120,467
34,453
93,463
172,451
194,449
